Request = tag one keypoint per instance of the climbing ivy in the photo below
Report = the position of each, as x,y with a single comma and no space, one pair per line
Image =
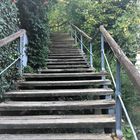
8,25
33,18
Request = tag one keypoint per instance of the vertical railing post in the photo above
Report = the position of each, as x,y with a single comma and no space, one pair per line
91,55
102,53
75,36
81,43
118,104
21,55
71,32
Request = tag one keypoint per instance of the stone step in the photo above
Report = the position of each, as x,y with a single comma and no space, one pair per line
56,105
58,93
46,84
69,136
80,70
57,121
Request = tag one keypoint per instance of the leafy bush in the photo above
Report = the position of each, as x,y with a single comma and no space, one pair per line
33,17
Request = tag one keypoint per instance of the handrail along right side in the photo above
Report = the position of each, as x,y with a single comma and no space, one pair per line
131,70
133,74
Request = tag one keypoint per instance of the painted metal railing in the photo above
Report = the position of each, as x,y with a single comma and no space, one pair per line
21,59
131,71
121,60
79,36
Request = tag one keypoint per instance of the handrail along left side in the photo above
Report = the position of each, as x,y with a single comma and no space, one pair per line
23,41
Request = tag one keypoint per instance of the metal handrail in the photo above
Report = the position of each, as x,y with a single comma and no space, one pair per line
131,70
22,35
121,101
82,32
121,59
128,66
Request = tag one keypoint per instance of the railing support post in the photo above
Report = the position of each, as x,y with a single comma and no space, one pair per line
81,43
75,37
118,104
20,67
91,55
102,53
71,34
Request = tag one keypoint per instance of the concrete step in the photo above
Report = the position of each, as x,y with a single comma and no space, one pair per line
56,105
57,121
58,93
69,136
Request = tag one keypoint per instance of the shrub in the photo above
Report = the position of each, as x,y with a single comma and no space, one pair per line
33,17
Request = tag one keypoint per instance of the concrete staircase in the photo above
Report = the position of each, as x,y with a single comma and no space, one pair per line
66,101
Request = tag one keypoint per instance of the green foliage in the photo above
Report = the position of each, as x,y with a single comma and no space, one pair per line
120,17
127,132
8,25
33,17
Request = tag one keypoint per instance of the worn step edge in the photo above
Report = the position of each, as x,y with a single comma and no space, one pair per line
66,60
65,54
73,136
67,70
88,74
52,93
59,121
58,63
64,57
56,105
66,66
64,83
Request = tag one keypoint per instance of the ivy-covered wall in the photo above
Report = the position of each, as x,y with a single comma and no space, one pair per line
8,18
33,17
8,25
